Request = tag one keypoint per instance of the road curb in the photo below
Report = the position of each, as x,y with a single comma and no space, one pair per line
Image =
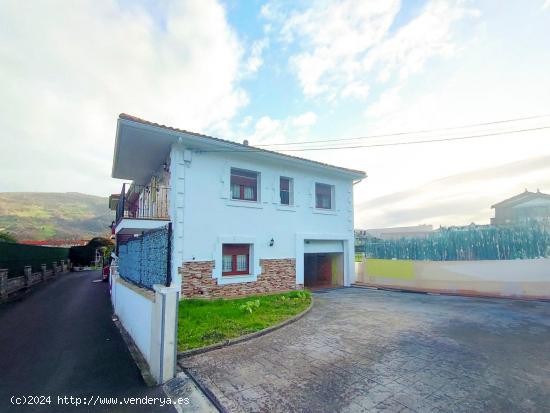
185,386
445,293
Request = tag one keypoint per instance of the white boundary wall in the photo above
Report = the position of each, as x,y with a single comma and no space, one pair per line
150,317
528,278
134,308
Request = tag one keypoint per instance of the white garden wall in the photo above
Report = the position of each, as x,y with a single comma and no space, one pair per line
134,308
151,319
501,278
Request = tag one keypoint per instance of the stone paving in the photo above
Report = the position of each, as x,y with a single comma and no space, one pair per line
361,350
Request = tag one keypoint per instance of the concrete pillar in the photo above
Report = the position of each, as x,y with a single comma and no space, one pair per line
3,284
27,272
43,271
113,284
164,340
179,162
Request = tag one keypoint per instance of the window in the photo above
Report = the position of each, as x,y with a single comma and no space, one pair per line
323,196
235,260
244,185
286,190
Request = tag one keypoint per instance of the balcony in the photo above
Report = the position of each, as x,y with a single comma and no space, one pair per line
139,208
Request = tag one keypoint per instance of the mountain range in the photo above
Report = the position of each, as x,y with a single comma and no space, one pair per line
52,215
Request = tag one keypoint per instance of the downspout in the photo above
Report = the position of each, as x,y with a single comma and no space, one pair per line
169,257
353,218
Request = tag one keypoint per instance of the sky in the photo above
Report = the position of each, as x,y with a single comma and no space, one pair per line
281,72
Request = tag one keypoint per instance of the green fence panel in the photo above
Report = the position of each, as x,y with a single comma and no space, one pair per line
466,243
15,257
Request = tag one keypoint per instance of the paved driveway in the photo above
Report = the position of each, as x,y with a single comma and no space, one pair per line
366,350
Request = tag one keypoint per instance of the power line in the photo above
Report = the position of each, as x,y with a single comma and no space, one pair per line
435,140
406,133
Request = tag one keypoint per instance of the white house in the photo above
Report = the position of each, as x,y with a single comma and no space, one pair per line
527,207
244,220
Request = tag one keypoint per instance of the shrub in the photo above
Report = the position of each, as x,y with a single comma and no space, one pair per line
85,255
249,306
7,237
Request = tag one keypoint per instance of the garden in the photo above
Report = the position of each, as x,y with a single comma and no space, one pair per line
205,322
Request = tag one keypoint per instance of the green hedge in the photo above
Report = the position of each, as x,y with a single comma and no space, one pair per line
15,257
464,243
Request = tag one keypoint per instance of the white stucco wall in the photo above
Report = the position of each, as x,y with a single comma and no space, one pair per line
151,319
507,278
200,187
134,310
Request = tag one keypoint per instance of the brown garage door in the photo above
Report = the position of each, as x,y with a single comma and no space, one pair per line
323,270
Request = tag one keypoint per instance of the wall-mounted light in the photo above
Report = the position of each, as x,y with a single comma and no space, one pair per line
271,242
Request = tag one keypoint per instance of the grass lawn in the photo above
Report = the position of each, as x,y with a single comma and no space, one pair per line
203,322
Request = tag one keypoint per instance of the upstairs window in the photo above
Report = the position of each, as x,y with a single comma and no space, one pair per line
244,185
286,190
236,259
324,196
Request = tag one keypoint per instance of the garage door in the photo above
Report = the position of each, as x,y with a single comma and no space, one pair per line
318,246
323,270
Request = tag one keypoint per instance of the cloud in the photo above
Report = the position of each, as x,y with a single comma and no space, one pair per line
344,45
305,119
428,35
68,69
268,130
457,199
255,60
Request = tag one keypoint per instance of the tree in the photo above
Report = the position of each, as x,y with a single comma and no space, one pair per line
85,255
7,237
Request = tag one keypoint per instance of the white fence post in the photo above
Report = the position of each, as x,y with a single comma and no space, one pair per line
164,332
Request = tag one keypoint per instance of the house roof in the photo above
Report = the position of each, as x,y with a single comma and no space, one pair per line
113,201
519,198
238,146
54,242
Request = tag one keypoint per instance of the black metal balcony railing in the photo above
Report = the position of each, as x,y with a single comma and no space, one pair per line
143,202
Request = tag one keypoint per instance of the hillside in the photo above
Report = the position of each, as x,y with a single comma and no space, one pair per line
49,215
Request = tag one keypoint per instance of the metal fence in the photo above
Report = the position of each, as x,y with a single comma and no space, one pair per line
145,260
14,257
485,243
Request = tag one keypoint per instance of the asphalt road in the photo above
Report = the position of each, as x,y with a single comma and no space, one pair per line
60,341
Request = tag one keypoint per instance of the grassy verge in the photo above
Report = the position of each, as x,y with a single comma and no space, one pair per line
205,322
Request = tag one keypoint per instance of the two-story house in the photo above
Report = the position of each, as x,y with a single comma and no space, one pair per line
524,208
244,220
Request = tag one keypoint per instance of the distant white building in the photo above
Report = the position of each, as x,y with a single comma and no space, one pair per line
245,220
417,231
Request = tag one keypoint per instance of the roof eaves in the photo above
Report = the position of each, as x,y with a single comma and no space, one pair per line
516,198
125,116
